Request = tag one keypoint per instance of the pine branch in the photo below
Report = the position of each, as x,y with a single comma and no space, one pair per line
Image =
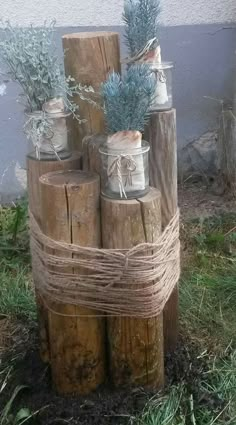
141,18
127,101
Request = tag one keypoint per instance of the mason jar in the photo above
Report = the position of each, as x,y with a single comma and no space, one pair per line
125,173
47,134
163,99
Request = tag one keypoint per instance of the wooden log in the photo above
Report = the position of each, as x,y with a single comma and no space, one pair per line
226,149
90,150
135,344
71,213
89,58
161,134
35,169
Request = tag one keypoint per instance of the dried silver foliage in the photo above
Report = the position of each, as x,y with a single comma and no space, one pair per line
31,59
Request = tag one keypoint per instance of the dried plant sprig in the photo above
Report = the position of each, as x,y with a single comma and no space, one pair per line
31,59
38,128
141,18
127,100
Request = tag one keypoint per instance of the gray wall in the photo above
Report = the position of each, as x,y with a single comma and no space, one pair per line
204,58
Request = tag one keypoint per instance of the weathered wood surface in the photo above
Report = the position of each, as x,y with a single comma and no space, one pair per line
89,58
226,148
161,134
135,344
35,169
71,213
90,150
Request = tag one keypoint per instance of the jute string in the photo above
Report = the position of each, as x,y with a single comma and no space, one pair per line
133,283
122,164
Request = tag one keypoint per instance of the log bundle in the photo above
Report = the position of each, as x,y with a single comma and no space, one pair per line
84,346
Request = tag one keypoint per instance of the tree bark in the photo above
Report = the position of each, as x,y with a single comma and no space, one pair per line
161,134
35,169
135,344
90,149
89,58
71,213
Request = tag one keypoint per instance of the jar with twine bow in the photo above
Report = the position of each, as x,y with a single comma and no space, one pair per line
47,130
163,75
163,99
151,55
125,165
125,156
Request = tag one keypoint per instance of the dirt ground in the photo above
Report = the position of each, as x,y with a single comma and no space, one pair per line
200,198
107,406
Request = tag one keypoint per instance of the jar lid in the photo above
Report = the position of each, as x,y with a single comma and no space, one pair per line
162,65
107,150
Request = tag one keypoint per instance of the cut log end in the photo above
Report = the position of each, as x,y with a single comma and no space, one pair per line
70,178
95,34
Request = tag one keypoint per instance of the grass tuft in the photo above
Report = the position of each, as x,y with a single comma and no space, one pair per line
16,290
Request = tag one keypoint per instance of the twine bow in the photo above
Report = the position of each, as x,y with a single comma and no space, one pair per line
122,164
159,74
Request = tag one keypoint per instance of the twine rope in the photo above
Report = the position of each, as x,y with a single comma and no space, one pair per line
121,164
129,283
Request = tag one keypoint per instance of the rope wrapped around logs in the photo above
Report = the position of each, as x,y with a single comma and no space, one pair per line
131,283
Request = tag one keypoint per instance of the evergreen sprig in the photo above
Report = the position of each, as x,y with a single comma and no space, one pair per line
127,101
141,18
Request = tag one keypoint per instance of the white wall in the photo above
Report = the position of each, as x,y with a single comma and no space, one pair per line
108,12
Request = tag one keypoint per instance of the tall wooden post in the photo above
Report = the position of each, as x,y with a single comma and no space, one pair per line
161,134
35,169
89,58
135,344
71,213
226,147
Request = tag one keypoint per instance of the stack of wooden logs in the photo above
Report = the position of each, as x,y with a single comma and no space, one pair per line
83,346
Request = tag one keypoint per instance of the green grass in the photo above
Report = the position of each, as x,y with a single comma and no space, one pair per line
16,291
208,283
208,320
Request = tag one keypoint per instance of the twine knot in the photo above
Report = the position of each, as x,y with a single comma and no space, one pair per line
123,165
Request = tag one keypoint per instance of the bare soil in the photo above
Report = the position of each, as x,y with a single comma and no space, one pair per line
201,198
105,406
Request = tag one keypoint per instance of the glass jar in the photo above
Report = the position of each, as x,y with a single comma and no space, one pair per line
163,98
125,173
47,134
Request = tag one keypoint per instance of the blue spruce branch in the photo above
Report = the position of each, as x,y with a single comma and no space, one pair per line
141,18
127,101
